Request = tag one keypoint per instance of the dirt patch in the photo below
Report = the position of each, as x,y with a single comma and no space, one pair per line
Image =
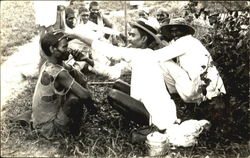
22,62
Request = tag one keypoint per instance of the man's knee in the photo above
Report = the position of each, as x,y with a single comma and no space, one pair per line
113,94
122,86
187,96
118,97
73,99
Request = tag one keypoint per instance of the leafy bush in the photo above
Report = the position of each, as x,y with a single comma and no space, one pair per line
228,43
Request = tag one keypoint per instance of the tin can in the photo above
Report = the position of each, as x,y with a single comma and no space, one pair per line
157,144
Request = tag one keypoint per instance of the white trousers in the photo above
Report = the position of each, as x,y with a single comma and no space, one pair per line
148,86
178,81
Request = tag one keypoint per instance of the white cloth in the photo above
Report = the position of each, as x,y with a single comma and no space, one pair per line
46,11
186,133
149,87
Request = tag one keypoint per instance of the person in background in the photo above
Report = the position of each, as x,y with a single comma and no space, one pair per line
60,93
162,16
102,64
83,15
70,18
98,18
143,13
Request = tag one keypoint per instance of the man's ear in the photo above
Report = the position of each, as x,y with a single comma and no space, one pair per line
144,38
52,49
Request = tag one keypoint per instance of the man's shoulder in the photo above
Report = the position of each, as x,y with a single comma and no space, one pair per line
52,69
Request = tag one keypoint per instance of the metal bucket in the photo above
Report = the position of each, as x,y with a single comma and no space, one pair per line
157,144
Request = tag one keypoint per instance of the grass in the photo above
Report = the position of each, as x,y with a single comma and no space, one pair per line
17,25
105,134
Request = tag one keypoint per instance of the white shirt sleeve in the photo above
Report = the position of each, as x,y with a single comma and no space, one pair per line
174,49
127,54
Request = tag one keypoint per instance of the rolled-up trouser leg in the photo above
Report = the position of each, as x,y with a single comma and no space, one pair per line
122,86
129,107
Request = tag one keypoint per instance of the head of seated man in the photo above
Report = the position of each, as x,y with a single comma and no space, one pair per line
143,13
70,17
84,14
94,9
55,45
176,29
143,34
162,15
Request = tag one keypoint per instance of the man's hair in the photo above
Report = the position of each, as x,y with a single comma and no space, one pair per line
51,39
94,3
83,9
69,11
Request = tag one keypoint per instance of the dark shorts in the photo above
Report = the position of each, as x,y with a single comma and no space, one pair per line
55,129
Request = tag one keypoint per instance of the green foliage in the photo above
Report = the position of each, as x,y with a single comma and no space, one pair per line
228,43
17,24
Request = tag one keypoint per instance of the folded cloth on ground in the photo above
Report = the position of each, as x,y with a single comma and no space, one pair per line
186,133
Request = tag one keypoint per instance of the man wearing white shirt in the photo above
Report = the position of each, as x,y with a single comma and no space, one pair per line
193,77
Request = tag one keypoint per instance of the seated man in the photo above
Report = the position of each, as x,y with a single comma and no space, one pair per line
193,76
60,91
162,16
143,35
97,17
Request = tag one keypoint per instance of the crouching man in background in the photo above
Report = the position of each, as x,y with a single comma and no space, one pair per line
60,92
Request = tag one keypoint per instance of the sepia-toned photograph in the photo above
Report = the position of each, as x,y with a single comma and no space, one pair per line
125,79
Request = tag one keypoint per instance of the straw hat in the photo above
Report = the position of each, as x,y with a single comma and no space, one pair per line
151,26
177,22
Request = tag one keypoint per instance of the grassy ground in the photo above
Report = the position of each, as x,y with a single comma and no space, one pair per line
105,134
17,25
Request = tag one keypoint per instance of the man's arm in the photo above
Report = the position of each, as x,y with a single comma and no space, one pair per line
67,82
107,23
109,50
170,51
